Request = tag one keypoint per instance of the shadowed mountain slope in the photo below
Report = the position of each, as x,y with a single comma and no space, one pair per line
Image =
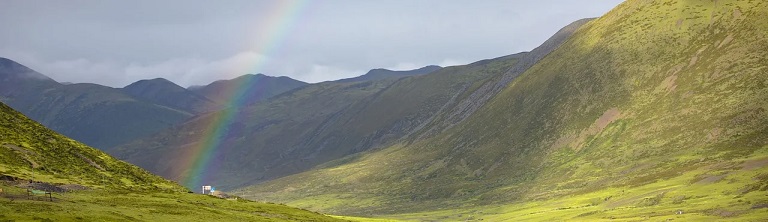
166,93
250,88
299,129
97,115
105,117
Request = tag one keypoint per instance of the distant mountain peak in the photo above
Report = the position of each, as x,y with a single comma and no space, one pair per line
164,92
259,87
153,82
381,73
428,68
261,75
431,67
241,78
10,69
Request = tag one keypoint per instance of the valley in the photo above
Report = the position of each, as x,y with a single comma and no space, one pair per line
654,111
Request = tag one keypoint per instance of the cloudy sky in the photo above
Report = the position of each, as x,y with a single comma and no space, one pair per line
195,42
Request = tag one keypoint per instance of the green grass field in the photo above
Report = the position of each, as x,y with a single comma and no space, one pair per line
122,205
729,191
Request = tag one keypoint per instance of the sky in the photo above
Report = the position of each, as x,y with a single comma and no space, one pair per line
196,42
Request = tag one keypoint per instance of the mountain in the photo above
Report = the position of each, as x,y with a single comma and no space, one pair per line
166,93
298,130
249,89
87,184
105,117
256,138
307,126
377,74
98,115
654,111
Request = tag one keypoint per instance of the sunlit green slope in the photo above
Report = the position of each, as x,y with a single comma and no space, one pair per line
90,185
31,151
656,107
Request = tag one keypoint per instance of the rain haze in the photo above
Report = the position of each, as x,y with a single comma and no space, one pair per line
115,43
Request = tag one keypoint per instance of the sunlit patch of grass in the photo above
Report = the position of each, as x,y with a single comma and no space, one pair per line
100,205
673,198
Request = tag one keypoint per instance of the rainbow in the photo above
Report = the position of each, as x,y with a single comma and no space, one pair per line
195,164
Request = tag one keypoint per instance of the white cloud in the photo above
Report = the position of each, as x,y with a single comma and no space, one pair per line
319,73
196,70
183,71
451,62
405,66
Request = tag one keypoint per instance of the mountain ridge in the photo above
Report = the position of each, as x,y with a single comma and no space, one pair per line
85,111
105,117
325,121
11,69
252,88
164,92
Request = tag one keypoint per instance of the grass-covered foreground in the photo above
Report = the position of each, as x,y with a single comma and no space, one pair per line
102,205
734,190
731,191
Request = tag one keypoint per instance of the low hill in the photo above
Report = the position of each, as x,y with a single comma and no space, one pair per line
166,93
247,89
87,184
655,111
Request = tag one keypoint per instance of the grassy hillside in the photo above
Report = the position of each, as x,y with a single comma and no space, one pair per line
31,151
90,185
655,110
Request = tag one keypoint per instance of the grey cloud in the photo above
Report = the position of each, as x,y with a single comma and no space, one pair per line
195,42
